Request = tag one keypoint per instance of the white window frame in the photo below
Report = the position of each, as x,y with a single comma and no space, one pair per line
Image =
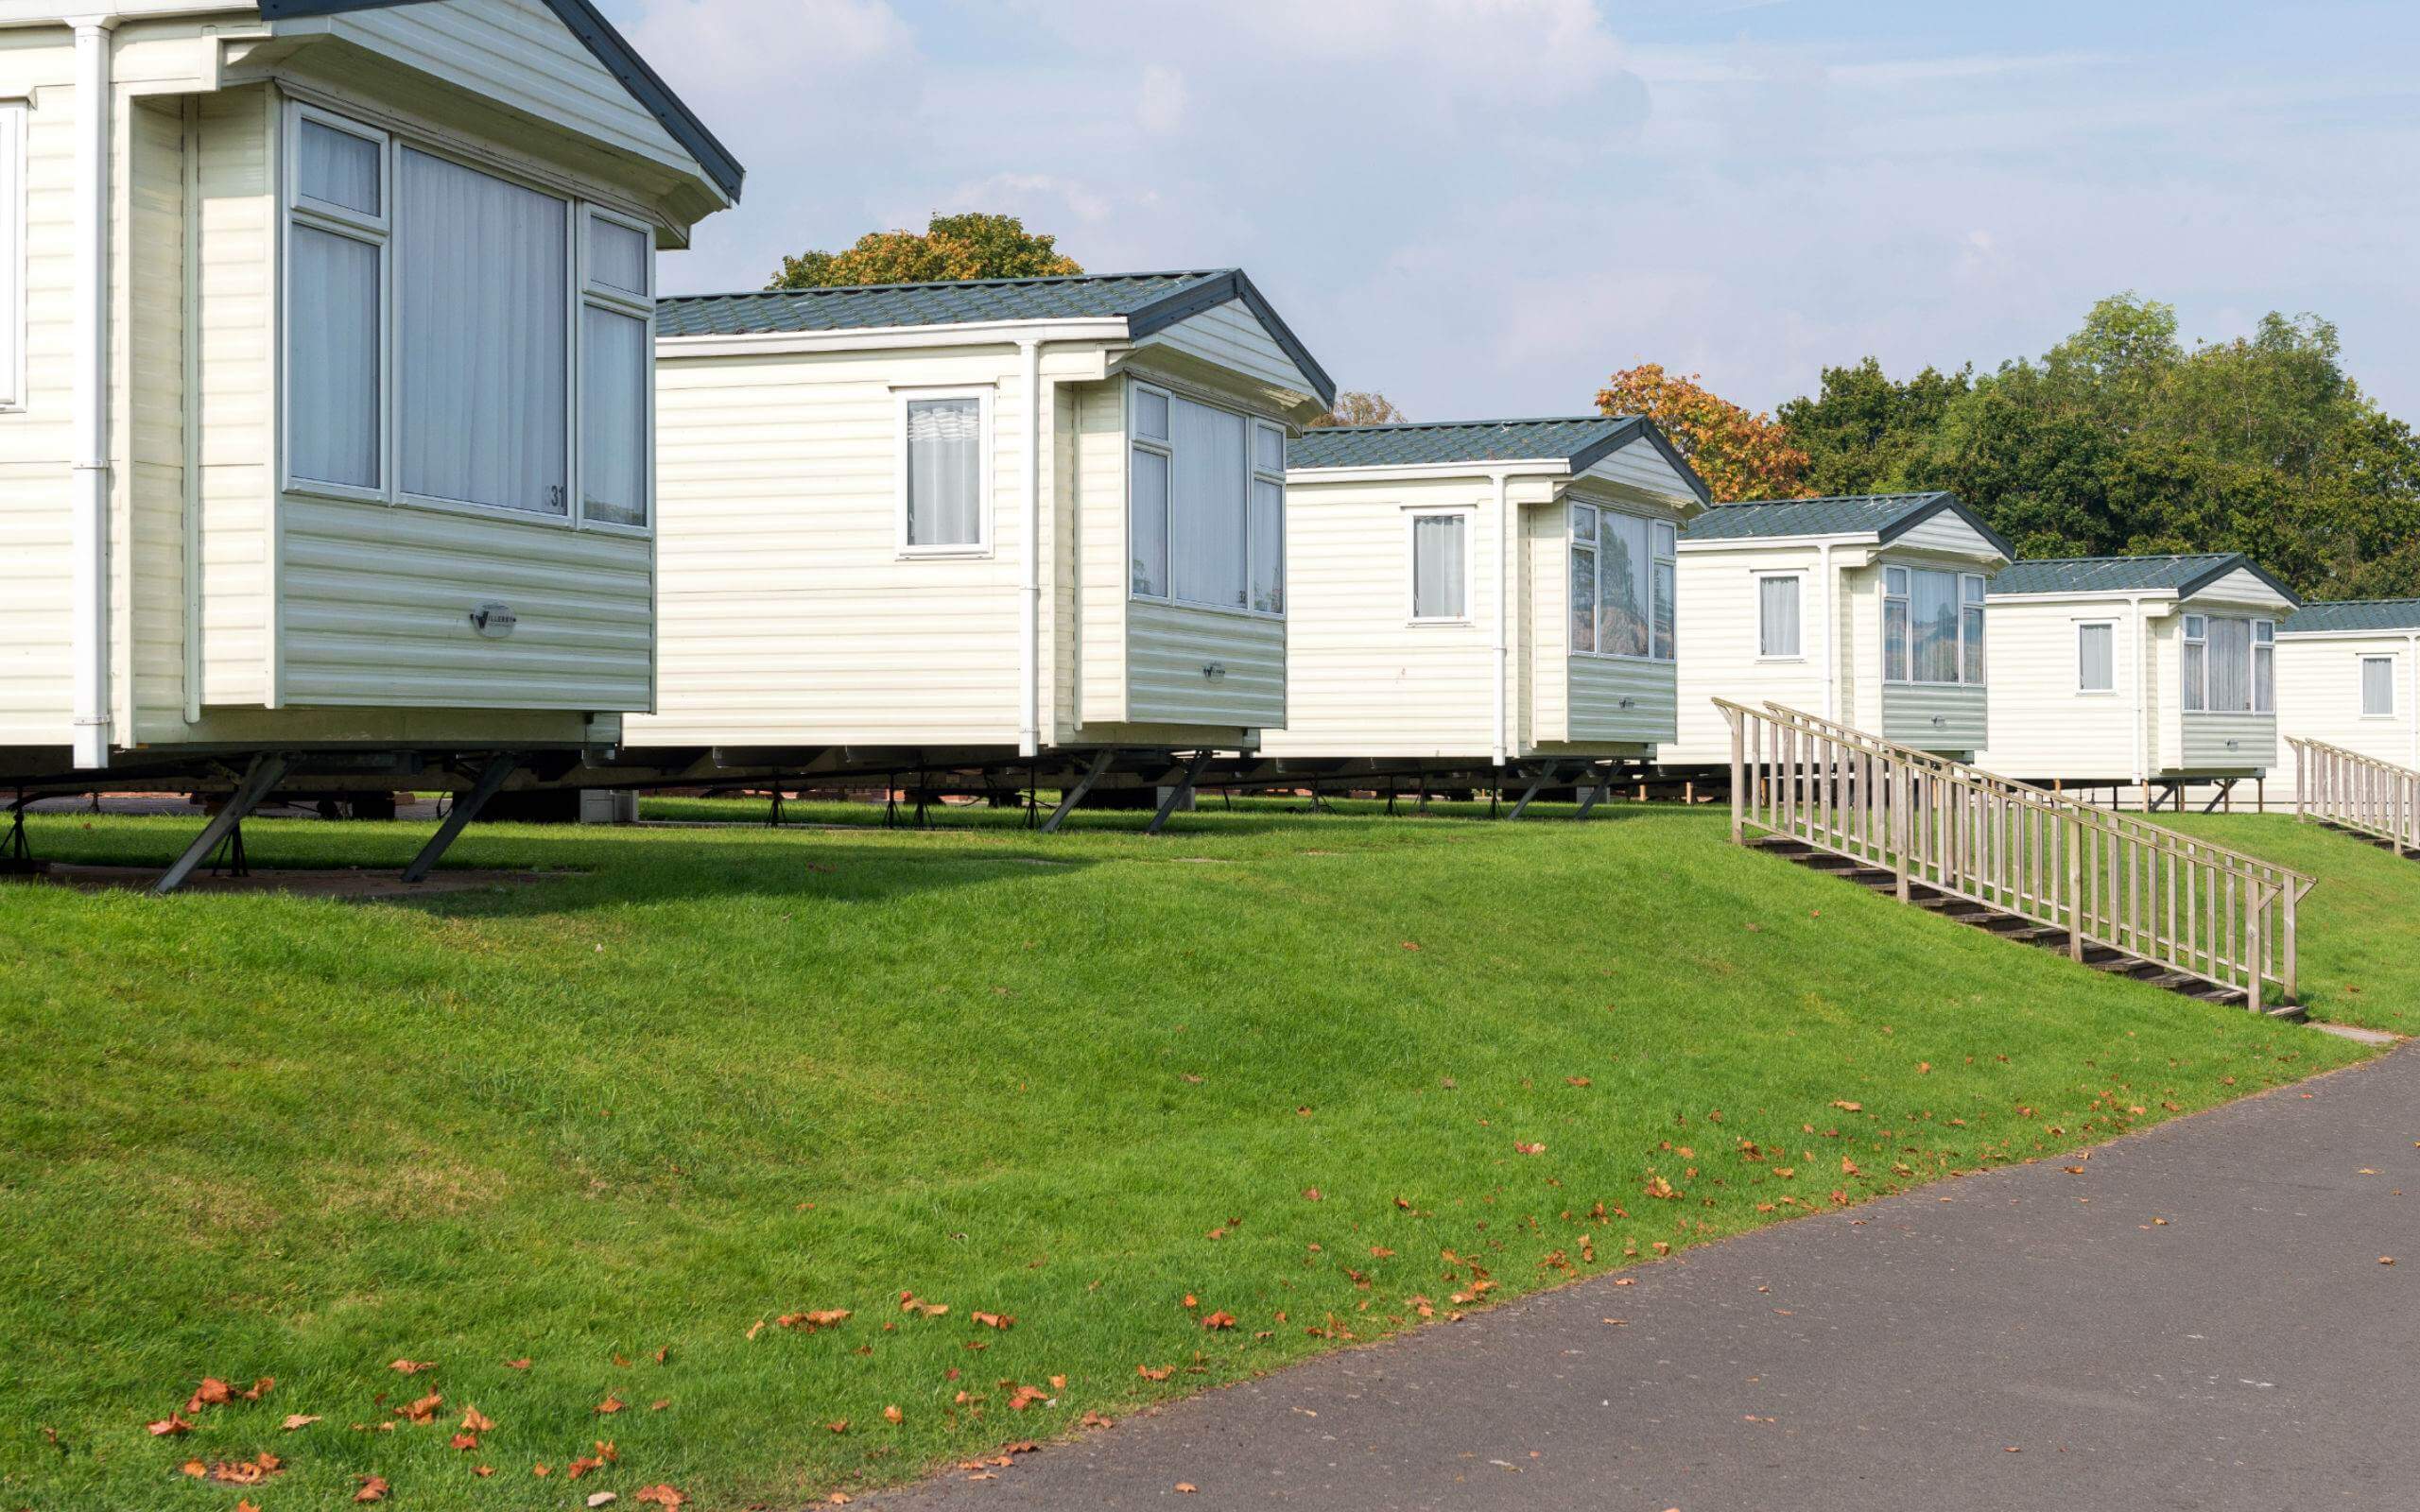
1657,654
1412,515
13,257
2262,633
1794,575
2361,661
578,294
1905,597
1135,440
2187,636
2264,648
983,395
2111,691
618,301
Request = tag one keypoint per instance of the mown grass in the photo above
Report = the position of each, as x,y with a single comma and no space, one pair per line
712,1076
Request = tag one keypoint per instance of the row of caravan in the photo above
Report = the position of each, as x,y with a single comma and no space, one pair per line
341,418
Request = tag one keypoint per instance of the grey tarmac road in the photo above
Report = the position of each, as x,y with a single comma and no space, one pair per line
2023,1339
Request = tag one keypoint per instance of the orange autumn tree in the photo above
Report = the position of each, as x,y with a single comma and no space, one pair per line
1739,454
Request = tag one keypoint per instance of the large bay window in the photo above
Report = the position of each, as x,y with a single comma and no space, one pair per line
1622,571
1932,626
462,338
1206,505
2229,665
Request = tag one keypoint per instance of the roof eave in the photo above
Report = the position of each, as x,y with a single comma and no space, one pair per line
1191,299
1638,428
2229,564
1935,505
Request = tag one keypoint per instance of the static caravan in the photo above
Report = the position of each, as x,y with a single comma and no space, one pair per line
1026,526
2348,675
1867,610
2156,672
1475,596
325,400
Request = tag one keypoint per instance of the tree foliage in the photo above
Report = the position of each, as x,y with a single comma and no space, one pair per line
949,250
1357,406
1739,454
2121,438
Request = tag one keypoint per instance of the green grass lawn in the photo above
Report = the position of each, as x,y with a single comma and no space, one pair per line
1292,1070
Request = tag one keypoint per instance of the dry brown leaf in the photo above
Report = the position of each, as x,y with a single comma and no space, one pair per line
476,1421
466,1440
611,1405
892,1415
1220,1320
374,1488
996,1320
522,1364
1186,1488
299,1419
663,1496
173,1424
412,1368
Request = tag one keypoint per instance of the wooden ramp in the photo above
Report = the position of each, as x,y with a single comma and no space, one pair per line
2363,796
2114,891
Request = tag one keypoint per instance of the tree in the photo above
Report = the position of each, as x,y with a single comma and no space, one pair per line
1862,426
950,249
1356,406
1739,455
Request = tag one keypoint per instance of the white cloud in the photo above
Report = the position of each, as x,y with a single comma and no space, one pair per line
1160,106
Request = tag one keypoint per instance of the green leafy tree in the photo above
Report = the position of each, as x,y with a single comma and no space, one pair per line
1862,426
949,250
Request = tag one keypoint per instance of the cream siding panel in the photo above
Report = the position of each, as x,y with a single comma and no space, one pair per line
2244,589
2230,742
235,402
2043,730
1716,632
377,603
1935,716
1205,666
1099,483
1600,687
1062,643
1544,629
1947,533
149,374
2319,697
520,55
1639,469
2167,674
1230,337
1859,655
37,692
1363,680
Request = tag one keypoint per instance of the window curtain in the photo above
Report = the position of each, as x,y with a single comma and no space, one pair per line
614,422
1932,614
1206,523
1148,522
339,168
1437,567
1777,616
1664,612
2377,686
944,472
1583,598
2097,657
483,332
334,396
1268,546
1970,625
1627,572
2230,666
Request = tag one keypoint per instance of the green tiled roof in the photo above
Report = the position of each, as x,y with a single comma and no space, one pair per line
1883,516
1145,301
1578,442
2179,574
2353,616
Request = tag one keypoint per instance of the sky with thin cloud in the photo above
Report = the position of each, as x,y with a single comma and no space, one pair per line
1482,207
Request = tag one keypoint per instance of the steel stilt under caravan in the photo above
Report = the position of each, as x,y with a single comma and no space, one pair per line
324,390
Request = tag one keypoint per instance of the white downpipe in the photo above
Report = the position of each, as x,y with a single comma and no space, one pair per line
1831,628
1029,602
1503,612
2141,633
90,494
2411,706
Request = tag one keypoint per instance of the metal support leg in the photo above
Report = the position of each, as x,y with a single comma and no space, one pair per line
1176,795
1596,794
466,808
2215,798
1068,799
268,768
774,815
1536,783
17,856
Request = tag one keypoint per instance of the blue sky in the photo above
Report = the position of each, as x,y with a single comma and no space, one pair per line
1482,207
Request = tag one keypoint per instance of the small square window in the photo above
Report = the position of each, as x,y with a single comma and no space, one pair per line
340,168
944,457
1439,571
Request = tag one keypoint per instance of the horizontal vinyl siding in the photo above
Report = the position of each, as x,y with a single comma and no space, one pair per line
150,373
2230,742
520,55
1598,685
1640,469
1716,639
1948,532
2319,697
377,603
1169,646
1230,337
1099,483
2042,729
1361,679
235,404
1936,716
37,687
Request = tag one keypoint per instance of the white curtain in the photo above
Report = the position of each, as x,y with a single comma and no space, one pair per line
339,168
2196,670
1933,615
2377,686
2230,666
332,342
1970,593
1777,616
1206,520
1663,649
617,256
2097,657
482,338
1626,572
613,416
1438,567
1268,546
1584,597
1147,517
944,472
